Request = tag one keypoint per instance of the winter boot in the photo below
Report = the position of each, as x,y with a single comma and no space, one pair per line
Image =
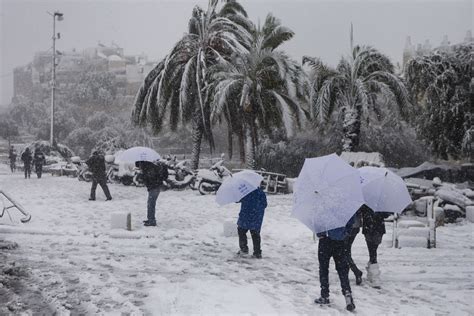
322,301
359,278
349,302
373,275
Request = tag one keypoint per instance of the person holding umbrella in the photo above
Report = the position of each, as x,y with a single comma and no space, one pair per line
153,176
384,193
332,243
355,229
326,196
96,164
244,187
373,228
251,214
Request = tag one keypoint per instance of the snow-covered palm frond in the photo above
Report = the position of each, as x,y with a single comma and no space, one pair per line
397,87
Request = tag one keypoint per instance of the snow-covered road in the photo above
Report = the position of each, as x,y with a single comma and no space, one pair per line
186,266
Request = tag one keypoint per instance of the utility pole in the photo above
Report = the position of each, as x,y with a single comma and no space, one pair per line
59,16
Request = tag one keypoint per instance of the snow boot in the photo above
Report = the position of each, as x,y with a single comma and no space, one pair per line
350,306
322,301
373,275
359,278
257,255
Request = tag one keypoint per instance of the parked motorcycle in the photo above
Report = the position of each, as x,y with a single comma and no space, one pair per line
114,175
209,180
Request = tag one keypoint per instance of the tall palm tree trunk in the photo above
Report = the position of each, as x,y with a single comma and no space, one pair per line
351,129
197,134
249,149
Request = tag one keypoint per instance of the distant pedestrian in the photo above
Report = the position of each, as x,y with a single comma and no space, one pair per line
373,228
27,159
332,244
39,160
355,229
153,175
96,164
251,214
12,157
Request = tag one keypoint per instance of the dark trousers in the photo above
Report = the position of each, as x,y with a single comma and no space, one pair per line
103,185
255,239
372,251
151,203
39,170
348,244
27,171
328,248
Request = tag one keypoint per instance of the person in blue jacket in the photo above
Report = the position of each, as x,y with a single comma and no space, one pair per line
332,243
251,214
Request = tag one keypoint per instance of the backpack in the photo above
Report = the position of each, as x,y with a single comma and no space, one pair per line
162,172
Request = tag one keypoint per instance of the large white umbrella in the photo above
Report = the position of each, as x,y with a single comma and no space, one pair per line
327,193
240,184
138,154
383,190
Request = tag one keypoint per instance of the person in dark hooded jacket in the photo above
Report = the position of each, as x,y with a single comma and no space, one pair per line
96,164
153,175
27,159
39,160
251,214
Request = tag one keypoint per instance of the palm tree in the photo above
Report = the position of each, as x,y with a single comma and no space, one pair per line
258,90
354,87
178,85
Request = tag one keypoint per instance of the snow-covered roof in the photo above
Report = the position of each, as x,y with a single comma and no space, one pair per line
368,159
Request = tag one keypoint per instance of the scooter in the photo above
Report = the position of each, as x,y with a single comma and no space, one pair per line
209,180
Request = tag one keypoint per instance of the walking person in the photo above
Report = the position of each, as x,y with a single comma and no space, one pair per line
373,228
96,164
12,157
332,243
355,229
27,159
39,160
153,175
251,214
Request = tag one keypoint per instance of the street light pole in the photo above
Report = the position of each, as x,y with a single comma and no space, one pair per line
59,16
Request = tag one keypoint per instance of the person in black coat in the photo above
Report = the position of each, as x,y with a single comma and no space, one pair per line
373,228
27,159
96,164
39,160
153,175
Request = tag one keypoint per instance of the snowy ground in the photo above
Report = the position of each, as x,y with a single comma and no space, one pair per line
69,260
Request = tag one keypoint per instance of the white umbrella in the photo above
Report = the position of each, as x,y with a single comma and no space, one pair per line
138,154
327,193
383,190
234,188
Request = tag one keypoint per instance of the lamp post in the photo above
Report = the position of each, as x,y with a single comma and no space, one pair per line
59,16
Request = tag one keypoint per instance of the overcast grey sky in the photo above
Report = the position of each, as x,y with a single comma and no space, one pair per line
321,27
